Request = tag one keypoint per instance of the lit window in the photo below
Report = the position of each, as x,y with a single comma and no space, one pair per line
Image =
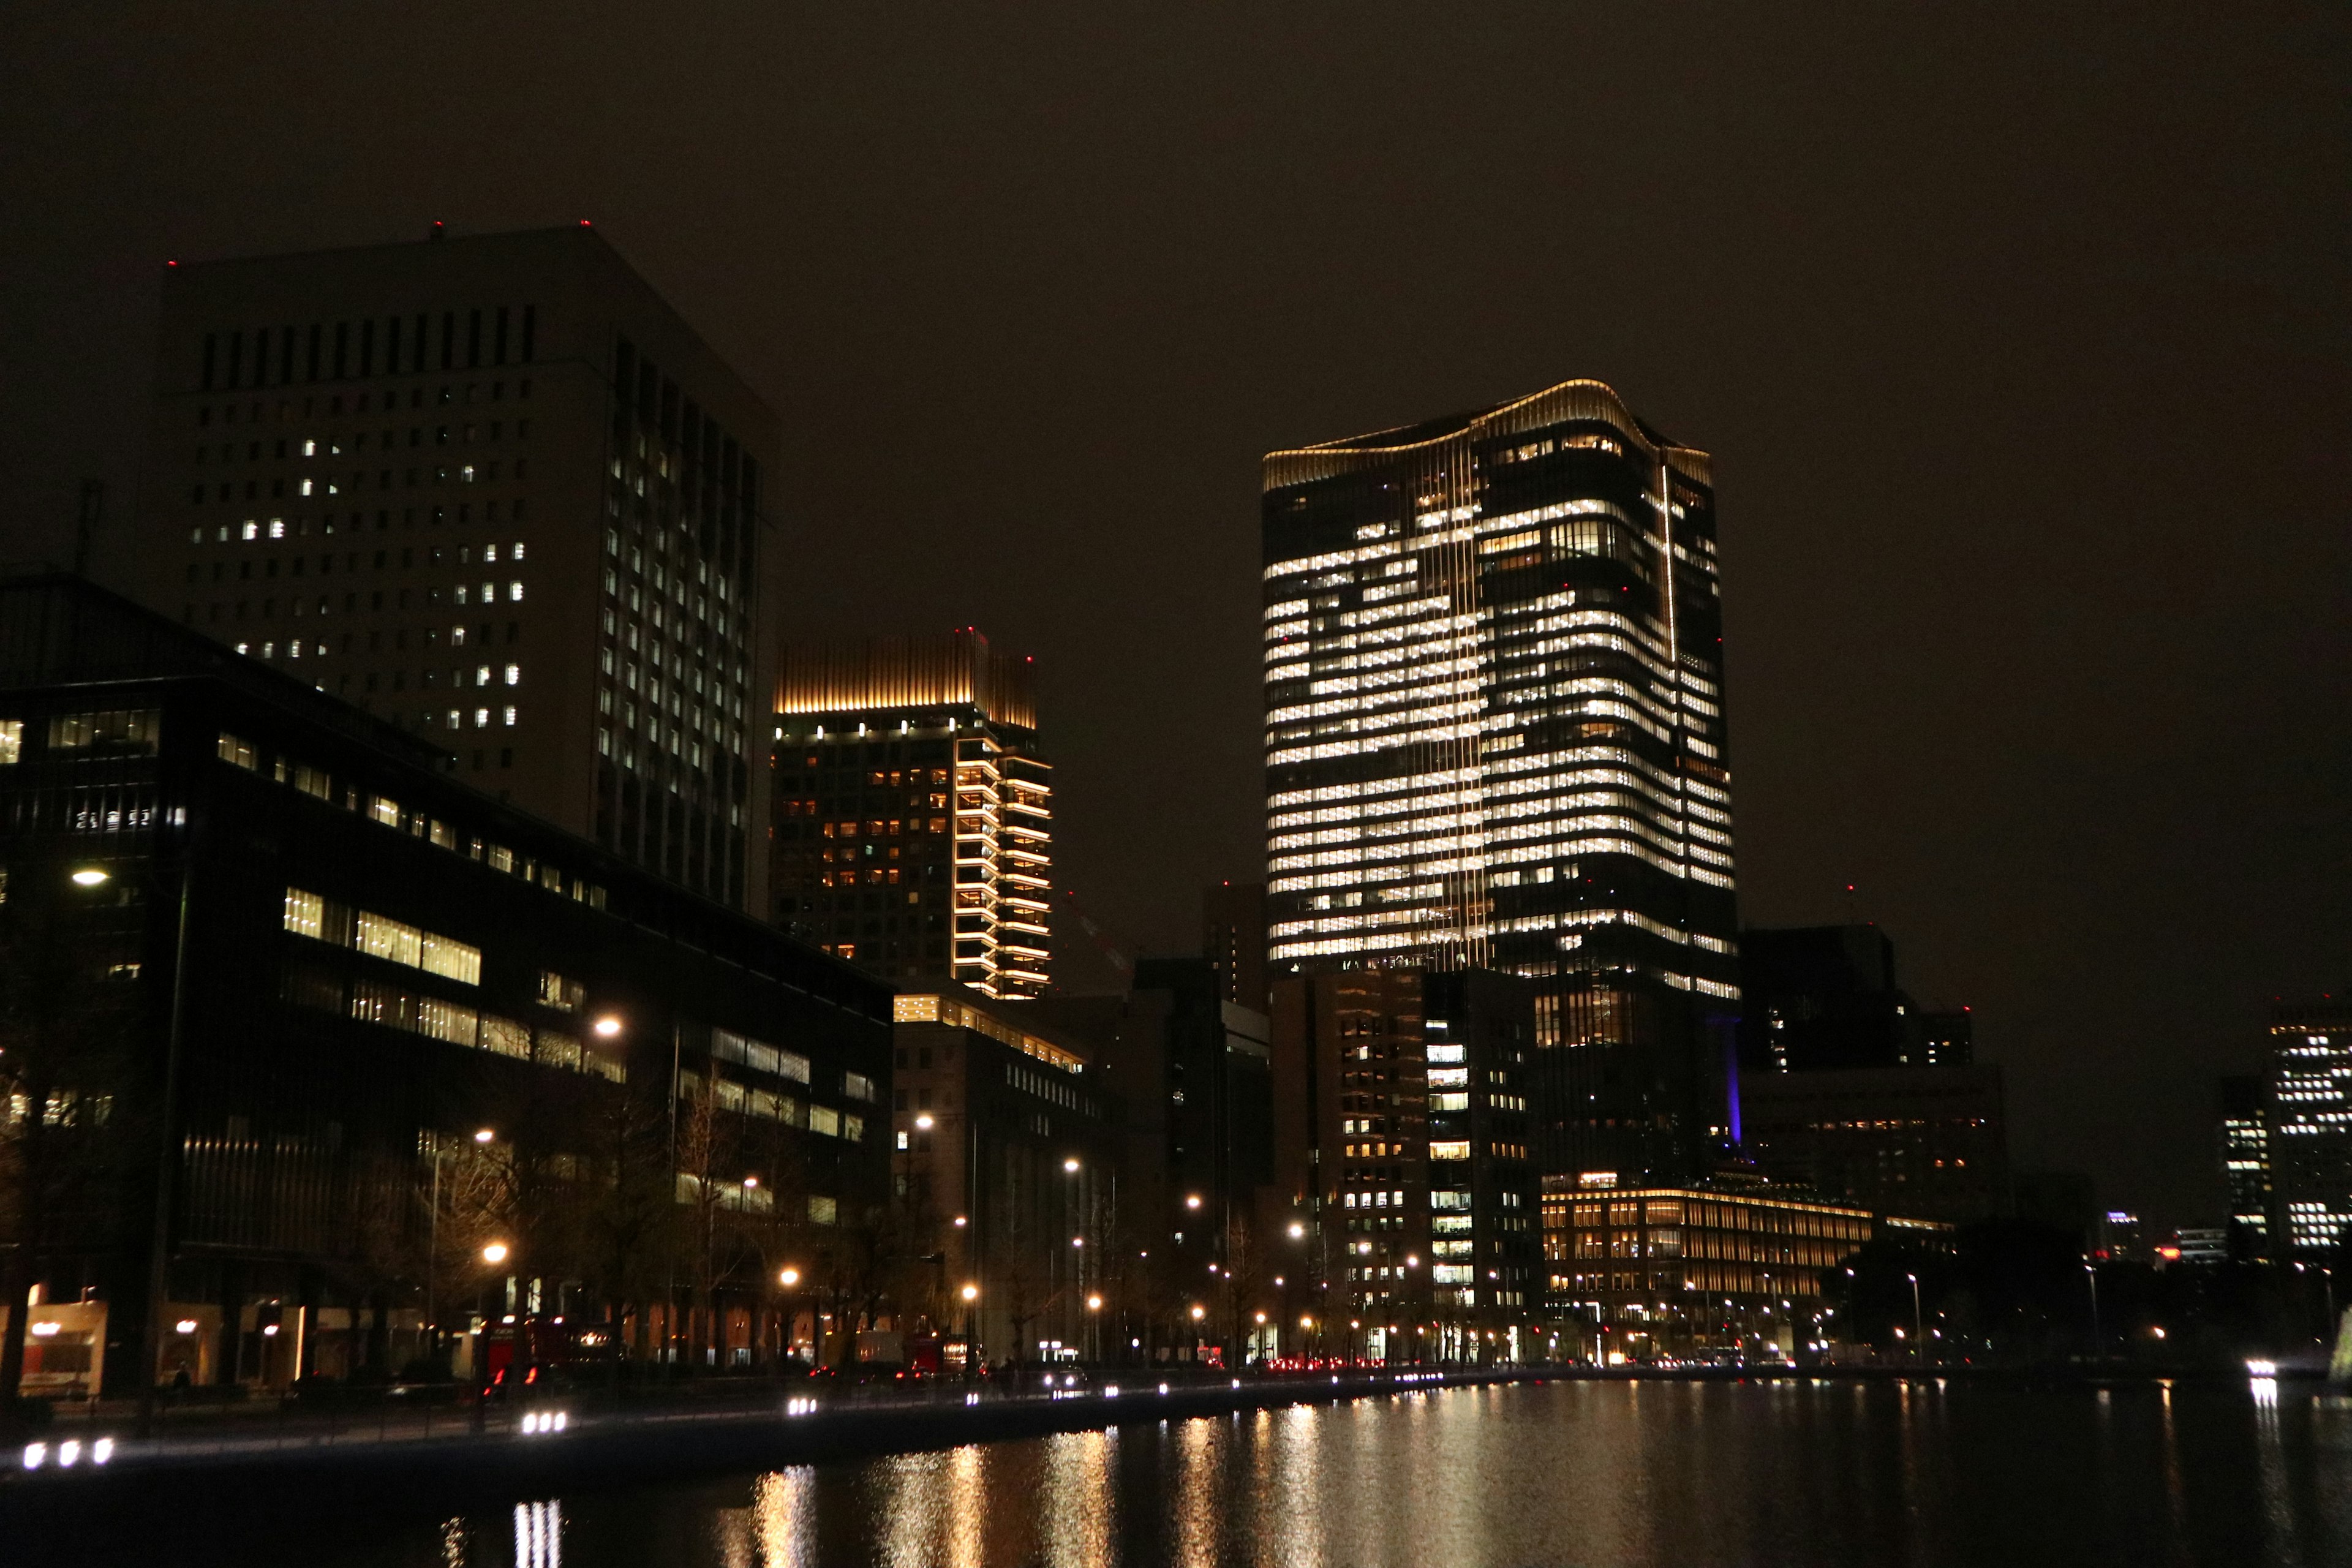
252,529
514,591
516,553
510,718
514,675
306,486
456,718
482,675
12,740
482,717
489,552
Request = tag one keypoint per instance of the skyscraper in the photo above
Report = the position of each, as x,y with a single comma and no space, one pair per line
2246,1150
2310,1131
914,823
1495,738
495,490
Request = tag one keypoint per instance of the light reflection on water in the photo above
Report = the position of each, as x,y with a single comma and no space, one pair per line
1639,1475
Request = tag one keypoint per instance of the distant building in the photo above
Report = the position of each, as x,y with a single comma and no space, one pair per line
392,993
2060,1199
1817,998
496,491
1401,1142
1195,1071
1007,1154
2121,1240
1942,1039
1928,1142
1495,740
2310,1132
2245,1153
1645,1272
1232,938
914,824
2198,1245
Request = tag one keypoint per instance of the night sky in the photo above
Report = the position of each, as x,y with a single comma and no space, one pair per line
2019,334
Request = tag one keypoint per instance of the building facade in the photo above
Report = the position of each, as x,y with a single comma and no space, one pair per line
1232,938
1494,738
1673,1271
1931,1143
496,492
1816,998
913,817
2310,1132
2245,1156
1009,1156
367,1018
1401,1142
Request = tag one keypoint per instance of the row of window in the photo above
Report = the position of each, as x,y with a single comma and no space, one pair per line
478,337
788,1109
454,1022
310,447
315,782
118,731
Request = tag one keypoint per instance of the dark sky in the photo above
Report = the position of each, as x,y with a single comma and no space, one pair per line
2019,334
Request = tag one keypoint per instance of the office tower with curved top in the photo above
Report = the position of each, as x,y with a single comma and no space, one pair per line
1495,740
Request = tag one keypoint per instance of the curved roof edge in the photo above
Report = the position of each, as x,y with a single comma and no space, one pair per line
1578,399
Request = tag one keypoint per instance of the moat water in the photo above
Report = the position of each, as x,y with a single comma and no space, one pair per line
1594,1475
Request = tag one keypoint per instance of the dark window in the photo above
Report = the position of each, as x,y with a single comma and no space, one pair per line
473,338
530,330
342,345
212,346
500,351
448,338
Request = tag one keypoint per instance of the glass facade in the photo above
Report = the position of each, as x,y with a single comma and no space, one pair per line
2310,1134
1494,738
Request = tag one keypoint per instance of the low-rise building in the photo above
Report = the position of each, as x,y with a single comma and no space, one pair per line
348,1021
1008,1150
1926,1141
1671,1271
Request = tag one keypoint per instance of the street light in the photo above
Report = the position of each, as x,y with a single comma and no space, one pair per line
89,876
495,1252
484,1135
1918,1339
1296,1230
607,1026
1071,1165
924,1124
1191,1200
788,1277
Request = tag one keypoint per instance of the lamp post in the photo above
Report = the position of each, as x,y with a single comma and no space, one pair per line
1918,1338
971,1330
2098,1340
167,1152
787,1277
493,1254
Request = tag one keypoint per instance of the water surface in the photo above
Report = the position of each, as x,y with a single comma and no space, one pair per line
1594,1474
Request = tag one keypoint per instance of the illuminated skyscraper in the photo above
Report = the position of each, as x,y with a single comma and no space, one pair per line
914,828
1494,738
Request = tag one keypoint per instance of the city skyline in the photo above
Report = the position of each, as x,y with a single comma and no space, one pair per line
1877,339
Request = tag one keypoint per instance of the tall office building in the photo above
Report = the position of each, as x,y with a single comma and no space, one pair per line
914,823
1494,738
2246,1150
2310,1137
496,491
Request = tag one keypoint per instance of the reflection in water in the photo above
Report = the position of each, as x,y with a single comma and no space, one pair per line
539,1535
1601,1475
783,1513
1076,1510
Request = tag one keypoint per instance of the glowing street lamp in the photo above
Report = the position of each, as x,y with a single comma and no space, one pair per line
1191,1200
972,1293
924,1122
1094,1303
1296,1230
495,1252
788,1277
89,876
607,1026
484,1135
1071,1165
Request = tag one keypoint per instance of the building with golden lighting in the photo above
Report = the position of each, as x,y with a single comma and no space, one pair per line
1495,740
913,812
1648,1271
